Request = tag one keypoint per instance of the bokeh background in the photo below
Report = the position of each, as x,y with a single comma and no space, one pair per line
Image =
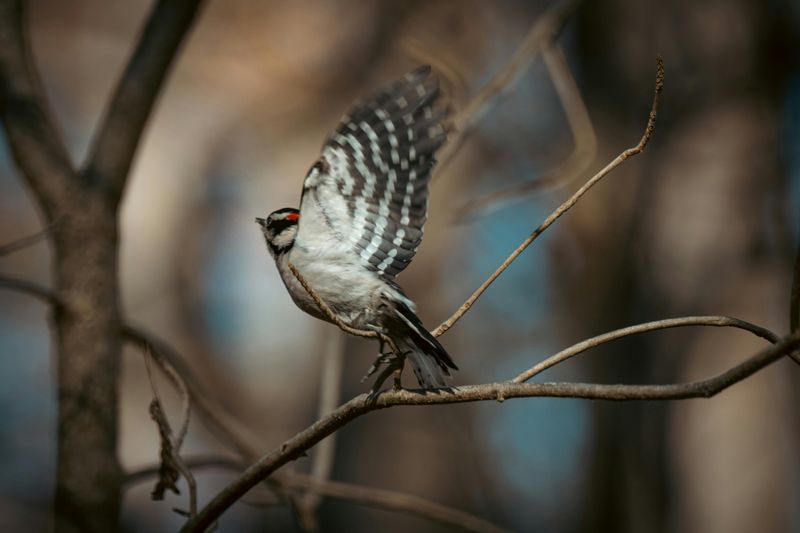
704,222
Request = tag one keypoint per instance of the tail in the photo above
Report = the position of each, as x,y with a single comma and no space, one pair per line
428,358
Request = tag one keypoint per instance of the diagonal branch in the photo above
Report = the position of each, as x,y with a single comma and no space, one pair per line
716,321
25,242
125,118
233,433
365,403
36,144
394,501
583,134
563,208
543,32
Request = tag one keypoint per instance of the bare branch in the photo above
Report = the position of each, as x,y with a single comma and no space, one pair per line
563,208
580,125
31,289
358,494
36,143
226,427
231,431
364,403
125,118
144,474
716,321
25,242
179,384
384,499
171,461
541,34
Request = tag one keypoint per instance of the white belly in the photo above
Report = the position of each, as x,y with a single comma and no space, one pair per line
351,291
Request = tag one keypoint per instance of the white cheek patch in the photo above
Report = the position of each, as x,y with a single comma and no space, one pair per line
285,238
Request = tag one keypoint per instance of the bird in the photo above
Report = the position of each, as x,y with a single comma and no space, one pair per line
362,211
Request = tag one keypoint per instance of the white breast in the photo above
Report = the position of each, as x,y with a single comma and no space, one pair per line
350,290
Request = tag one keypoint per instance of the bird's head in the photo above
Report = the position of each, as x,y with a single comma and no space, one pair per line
280,229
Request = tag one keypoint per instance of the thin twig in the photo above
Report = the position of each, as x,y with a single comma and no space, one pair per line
117,138
170,445
543,32
144,474
563,208
25,242
239,436
179,384
390,500
226,427
716,321
358,494
39,292
36,143
232,432
580,125
365,403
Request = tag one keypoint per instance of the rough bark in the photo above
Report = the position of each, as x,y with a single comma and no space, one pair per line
88,348
81,208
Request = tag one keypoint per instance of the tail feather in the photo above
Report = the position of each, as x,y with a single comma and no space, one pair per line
429,360
428,373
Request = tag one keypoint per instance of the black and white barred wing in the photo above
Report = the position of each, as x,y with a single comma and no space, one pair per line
370,185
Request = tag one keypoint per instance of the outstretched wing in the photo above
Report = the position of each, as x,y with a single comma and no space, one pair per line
370,184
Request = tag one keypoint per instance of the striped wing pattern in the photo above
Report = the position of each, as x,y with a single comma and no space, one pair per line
371,181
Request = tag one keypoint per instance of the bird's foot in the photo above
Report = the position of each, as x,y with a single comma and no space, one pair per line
382,359
392,365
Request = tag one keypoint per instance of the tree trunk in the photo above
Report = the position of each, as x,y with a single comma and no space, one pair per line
88,345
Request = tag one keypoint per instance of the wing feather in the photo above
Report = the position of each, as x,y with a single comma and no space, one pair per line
370,185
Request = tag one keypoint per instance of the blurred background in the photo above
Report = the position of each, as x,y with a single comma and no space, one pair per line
704,222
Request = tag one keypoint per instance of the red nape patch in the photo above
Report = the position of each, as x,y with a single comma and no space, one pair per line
293,217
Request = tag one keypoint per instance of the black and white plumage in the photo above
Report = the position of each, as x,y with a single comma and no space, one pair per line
362,211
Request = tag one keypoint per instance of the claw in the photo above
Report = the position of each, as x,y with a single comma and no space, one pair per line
382,359
385,373
398,383
394,365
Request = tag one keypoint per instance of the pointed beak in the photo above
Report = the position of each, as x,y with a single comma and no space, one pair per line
261,222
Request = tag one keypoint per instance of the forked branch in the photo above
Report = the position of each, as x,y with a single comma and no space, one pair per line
131,105
563,208
716,321
365,403
583,134
36,143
